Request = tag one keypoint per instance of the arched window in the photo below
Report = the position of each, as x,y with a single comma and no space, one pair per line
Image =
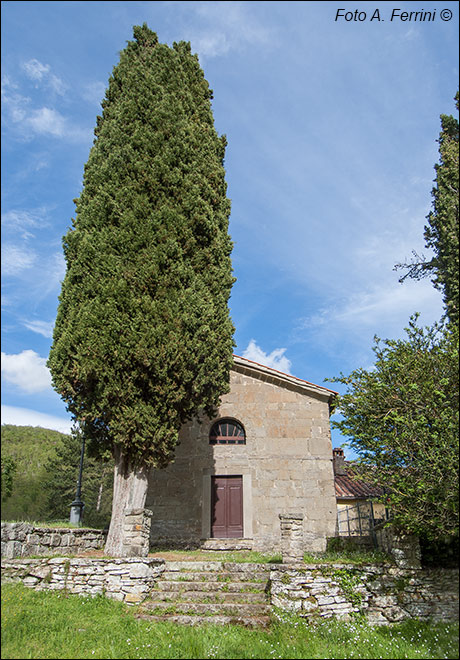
227,432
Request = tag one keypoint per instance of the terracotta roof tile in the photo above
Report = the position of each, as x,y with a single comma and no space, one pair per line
348,485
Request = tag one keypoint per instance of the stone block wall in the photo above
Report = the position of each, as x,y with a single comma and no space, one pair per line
292,543
21,539
129,579
383,593
136,532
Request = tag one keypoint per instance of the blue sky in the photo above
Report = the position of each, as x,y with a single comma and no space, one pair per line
331,128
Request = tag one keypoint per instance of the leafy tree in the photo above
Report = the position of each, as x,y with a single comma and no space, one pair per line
441,232
45,470
143,339
402,420
9,467
60,481
402,415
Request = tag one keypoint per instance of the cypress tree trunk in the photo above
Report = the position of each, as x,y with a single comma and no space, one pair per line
129,492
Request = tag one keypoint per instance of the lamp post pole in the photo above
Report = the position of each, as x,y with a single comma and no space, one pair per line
76,508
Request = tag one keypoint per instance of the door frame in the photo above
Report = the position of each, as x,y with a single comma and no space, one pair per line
206,502
230,505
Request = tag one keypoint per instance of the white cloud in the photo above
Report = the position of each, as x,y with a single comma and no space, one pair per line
29,277
57,85
41,73
212,45
27,370
35,70
18,227
26,417
20,221
345,328
382,306
52,274
13,104
16,259
27,122
276,359
226,26
42,121
46,121
44,328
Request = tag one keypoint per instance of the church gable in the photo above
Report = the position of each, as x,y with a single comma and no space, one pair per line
280,379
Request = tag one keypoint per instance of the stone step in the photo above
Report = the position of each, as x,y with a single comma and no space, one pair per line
207,596
211,585
213,566
211,545
208,609
194,565
215,576
214,592
259,621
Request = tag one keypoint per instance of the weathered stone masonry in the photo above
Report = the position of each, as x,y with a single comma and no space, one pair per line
22,539
383,593
291,537
129,580
136,532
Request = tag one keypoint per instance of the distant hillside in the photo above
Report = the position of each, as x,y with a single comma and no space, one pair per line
30,447
45,479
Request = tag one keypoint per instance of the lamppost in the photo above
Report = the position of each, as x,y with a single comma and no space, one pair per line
77,506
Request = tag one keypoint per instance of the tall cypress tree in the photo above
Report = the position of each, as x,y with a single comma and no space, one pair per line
143,339
441,232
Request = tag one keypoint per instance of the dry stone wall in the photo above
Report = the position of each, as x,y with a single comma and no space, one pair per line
129,579
383,593
21,539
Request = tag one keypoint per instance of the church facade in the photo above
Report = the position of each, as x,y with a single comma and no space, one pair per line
267,452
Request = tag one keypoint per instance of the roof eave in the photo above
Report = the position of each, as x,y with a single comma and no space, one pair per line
264,372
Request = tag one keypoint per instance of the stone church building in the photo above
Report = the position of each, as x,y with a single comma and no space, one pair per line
267,452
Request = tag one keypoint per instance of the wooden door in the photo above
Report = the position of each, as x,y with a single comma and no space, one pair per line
227,507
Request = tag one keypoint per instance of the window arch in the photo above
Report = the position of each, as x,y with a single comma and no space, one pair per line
227,431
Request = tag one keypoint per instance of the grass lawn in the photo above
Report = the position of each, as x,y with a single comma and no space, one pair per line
48,624
354,556
236,556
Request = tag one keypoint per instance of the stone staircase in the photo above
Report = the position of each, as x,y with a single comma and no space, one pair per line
196,592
